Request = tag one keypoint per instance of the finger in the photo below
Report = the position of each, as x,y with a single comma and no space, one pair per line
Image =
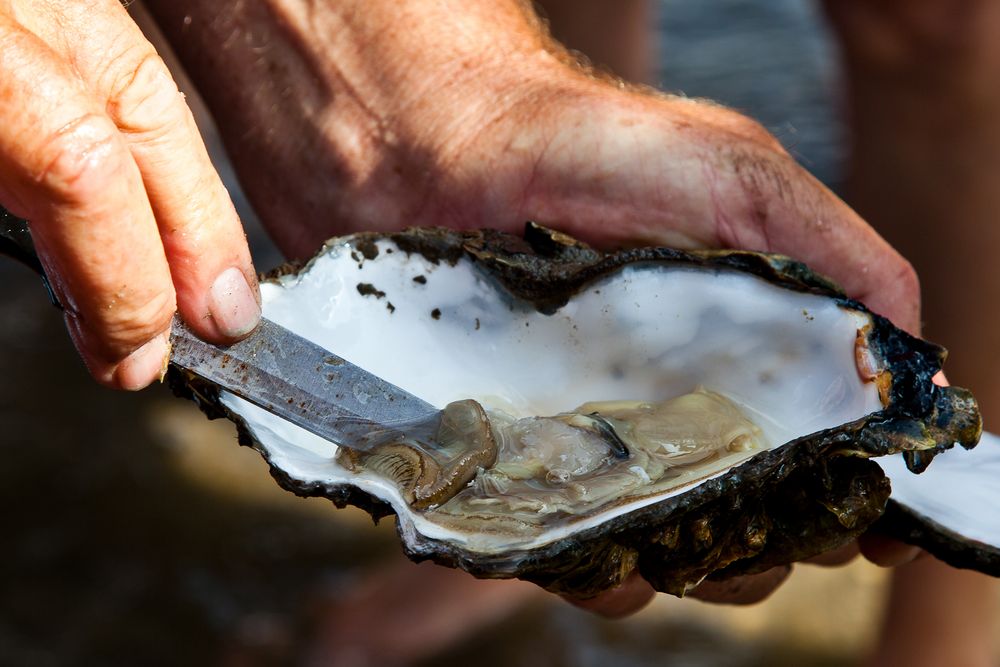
748,589
64,166
632,595
885,551
216,285
841,556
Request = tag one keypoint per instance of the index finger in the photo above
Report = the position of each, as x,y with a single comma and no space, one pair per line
205,246
64,165
624,600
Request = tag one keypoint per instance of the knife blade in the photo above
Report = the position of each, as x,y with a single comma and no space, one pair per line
305,384
280,371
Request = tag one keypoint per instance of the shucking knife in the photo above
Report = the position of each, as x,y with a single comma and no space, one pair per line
279,371
304,383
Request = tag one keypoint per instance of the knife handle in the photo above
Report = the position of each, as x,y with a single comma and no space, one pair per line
16,242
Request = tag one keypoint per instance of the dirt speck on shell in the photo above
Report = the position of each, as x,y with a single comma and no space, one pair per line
367,289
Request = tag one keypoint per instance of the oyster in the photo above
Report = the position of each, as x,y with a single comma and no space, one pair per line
521,476
577,459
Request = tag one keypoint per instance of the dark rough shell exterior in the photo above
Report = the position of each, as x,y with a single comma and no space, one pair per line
789,503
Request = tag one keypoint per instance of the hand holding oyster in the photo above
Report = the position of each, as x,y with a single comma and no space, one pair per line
686,415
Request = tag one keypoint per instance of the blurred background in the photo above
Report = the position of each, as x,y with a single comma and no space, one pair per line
134,531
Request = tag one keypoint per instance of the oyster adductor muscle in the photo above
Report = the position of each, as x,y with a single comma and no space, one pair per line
689,414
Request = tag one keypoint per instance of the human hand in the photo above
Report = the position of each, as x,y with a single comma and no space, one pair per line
99,151
430,128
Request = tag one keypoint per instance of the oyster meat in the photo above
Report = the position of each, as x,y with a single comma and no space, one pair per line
686,414
523,476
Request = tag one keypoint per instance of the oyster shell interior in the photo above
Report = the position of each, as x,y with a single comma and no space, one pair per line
781,363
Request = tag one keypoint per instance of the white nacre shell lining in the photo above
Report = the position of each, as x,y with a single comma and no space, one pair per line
958,490
648,332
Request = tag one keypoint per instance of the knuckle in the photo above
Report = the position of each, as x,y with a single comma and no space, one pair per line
908,280
82,158
749,130
145,101
128,326
766,179
756,133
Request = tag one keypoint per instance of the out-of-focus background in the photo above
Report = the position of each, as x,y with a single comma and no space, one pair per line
134,531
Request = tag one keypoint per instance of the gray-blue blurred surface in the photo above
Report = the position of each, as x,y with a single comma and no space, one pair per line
771,59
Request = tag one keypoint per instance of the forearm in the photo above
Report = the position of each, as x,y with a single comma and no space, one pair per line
356,87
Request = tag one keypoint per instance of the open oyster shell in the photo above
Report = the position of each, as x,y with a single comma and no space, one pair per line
544,324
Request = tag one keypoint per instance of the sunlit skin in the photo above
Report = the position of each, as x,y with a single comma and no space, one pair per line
99,151
366,114
379,116
924,102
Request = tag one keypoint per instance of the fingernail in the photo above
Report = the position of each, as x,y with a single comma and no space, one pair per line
233,304
145,365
